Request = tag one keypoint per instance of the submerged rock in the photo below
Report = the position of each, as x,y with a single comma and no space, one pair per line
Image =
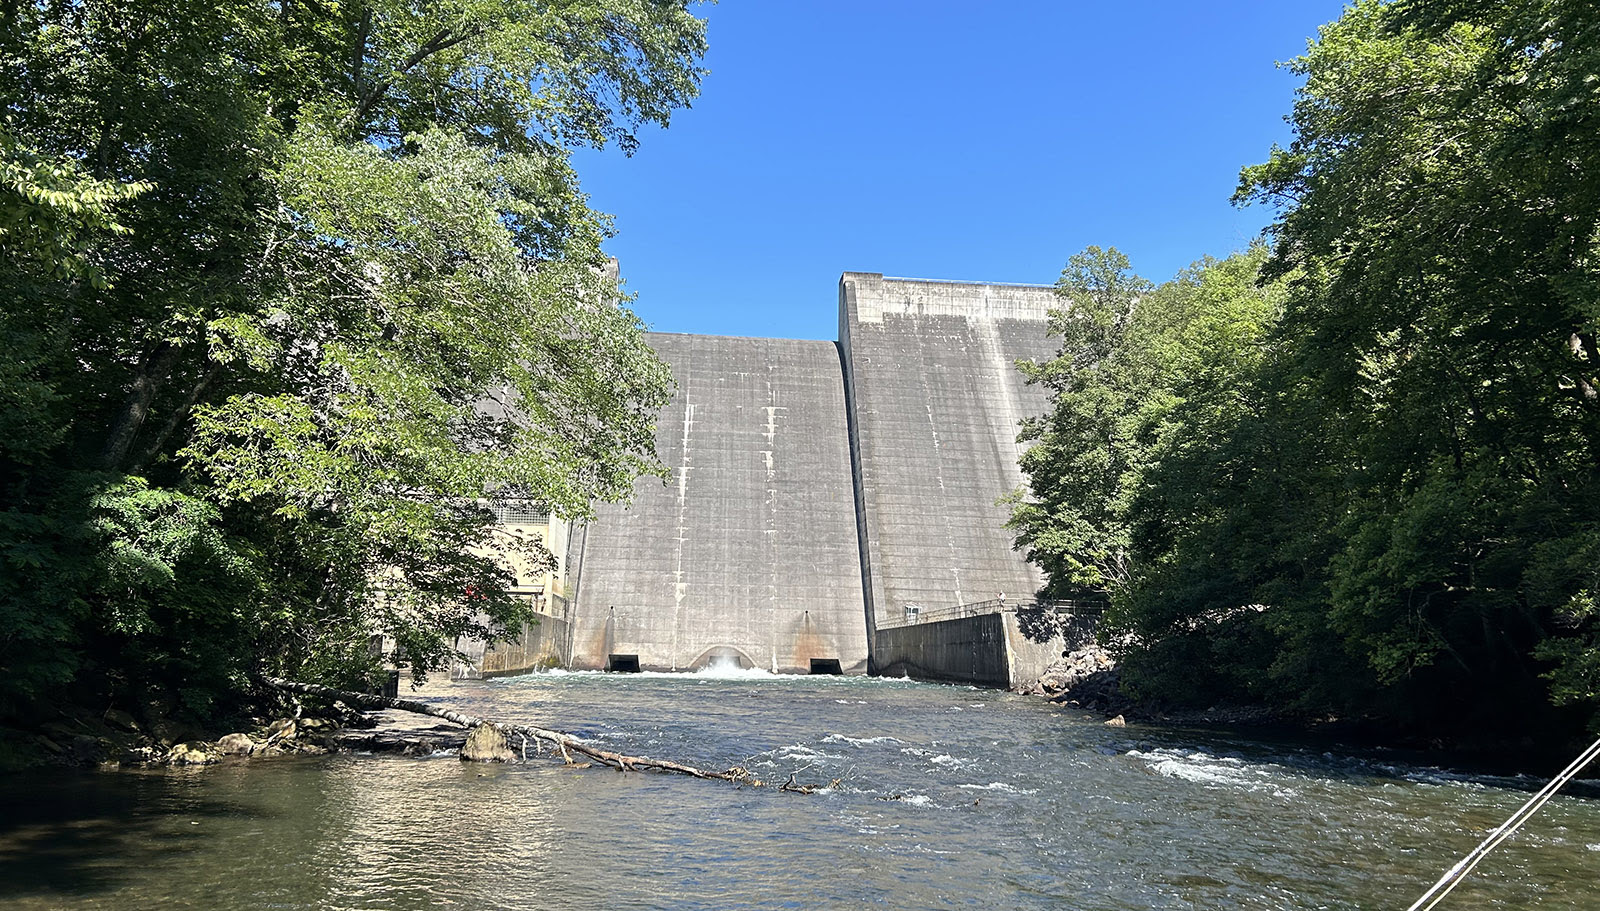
485,743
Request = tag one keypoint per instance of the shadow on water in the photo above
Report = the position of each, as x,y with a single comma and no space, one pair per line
81,833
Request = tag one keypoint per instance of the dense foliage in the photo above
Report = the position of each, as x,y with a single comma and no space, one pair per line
290,288
1361,476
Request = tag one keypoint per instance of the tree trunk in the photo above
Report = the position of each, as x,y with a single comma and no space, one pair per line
176,419
564,744
136,407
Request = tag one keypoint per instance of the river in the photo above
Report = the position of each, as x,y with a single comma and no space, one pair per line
952,797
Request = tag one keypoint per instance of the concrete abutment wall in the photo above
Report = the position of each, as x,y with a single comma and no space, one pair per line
986,649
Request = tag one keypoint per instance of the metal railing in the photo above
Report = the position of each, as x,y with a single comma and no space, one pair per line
1040,619
551,605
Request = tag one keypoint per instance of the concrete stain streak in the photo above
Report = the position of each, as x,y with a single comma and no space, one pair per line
679,586
1001,370
949,532
769,531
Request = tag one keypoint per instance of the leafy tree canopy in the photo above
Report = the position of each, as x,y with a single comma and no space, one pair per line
1374,489
292,288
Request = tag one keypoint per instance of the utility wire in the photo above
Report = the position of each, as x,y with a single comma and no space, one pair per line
1457,873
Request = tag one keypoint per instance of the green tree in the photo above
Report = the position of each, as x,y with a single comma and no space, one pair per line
1384,504
1146,381
52,217
1072,524
1444,187
331,282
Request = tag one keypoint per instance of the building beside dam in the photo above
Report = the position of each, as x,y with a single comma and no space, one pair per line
521,525
832,506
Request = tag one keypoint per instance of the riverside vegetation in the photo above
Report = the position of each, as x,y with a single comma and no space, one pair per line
260,263
1355,473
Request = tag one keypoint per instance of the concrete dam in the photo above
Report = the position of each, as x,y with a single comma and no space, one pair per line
828,501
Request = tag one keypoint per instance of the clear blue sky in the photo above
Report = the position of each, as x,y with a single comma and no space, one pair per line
973,141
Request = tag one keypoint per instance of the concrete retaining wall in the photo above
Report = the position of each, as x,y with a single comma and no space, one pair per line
1028,659
965,650
987,649
542,645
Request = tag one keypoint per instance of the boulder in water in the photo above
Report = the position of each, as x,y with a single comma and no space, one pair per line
485,743
190,754
121,720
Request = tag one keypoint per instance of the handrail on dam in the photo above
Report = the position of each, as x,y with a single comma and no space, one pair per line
957,281
1075,621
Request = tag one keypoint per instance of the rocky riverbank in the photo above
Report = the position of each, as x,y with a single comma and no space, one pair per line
1088,678
116,739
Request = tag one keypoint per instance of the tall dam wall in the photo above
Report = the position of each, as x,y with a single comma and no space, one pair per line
823,493
748,553
936,397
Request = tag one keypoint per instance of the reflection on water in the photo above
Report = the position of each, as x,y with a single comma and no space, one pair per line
952,797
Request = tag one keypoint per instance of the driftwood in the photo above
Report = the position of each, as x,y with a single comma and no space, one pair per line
565,744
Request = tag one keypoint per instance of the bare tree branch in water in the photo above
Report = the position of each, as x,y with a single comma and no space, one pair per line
564,744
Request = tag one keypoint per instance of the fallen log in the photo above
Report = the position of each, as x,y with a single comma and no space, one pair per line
565,744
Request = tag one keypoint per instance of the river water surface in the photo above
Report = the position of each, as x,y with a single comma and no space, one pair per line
951,798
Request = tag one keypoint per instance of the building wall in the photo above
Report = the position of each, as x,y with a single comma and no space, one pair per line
516,530
541,644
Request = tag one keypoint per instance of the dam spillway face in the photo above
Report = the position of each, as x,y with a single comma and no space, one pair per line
747,556
936,398
818,488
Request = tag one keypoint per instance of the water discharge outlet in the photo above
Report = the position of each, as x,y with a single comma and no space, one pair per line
623,664
826,666
724,662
